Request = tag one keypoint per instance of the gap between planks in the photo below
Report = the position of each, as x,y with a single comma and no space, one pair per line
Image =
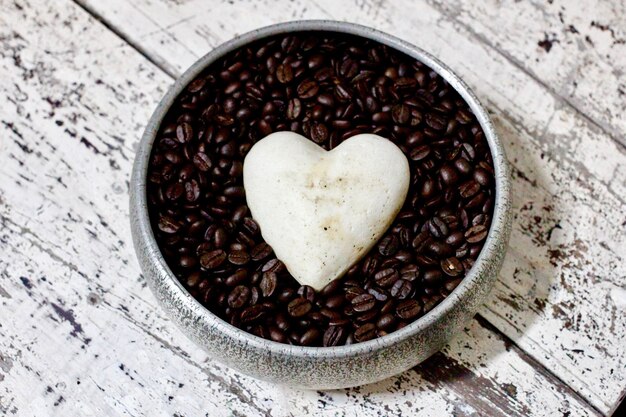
483,321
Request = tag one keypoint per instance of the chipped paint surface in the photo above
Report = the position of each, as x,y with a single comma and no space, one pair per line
80,334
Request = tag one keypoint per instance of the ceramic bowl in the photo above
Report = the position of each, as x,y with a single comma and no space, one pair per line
320,367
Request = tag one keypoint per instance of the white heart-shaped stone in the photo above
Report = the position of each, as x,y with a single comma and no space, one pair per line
321,211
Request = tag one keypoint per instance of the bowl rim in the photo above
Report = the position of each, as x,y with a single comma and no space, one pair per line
496,236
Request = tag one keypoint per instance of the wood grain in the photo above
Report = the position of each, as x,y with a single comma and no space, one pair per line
81,334
561,292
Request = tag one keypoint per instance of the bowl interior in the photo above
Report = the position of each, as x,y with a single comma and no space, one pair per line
493,241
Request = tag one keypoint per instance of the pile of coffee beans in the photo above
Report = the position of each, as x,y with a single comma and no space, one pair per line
327,87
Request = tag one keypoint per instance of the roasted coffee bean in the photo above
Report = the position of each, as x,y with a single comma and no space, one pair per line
307,89
410,273
306,292
378,293
452,266
476,233
260,251
284,73
328,88
238,257
386,321
408,309
268,284
253,313
237,278
277,335
334,336
335,301
273,265
438,228
432,277
387,277
365,332
401,289
388,246
239,296
294,108
310,337
469,189
213,259
363,302
299,307
318,133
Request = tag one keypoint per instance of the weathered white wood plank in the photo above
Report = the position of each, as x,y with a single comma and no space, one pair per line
80,332
561,292
578,49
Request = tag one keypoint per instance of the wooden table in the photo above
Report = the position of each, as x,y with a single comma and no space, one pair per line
81,334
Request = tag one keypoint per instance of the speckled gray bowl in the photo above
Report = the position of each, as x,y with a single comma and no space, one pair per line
320,367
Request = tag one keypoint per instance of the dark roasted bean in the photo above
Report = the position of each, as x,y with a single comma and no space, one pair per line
299,307
365,332
401,289
363,302
239,296
387,277
237,278
307,89
213,259
408,309
238,257
388,246
334,336
310,337
476,233
386,321
452,266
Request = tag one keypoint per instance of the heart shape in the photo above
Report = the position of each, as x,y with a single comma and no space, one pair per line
321,211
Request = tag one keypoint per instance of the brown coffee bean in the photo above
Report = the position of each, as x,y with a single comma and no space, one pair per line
452,266
294,107
239,296
253,313
284,73
408,309
401,113
260,251
388,246
476,233
268,284
238,257
432,277
273,265
310,337
334,336
184,132
386,321
307,89
387,277
469,189
277,335
238,277
410,273
306,292
213,259
299,307
365,332
363,302
438,228
401,289
319,133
